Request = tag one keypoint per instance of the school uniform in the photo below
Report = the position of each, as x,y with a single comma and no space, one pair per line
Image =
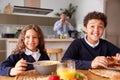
83,52
11,61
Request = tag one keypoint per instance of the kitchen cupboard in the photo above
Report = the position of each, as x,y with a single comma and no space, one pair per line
28,19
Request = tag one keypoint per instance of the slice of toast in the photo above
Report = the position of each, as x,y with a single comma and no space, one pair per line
112,60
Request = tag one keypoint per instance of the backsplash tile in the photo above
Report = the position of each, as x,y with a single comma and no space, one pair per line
47,30
6,28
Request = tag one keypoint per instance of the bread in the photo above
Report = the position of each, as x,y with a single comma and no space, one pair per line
112,60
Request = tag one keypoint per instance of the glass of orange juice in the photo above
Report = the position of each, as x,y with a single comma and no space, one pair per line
66,70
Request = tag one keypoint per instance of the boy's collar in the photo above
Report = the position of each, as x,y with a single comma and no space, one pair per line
93,46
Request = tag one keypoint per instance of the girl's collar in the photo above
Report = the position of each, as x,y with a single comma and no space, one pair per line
29,52
36,55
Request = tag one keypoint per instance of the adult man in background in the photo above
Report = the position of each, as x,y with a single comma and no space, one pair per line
62,26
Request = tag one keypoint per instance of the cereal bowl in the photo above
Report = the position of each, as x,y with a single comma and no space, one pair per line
46,67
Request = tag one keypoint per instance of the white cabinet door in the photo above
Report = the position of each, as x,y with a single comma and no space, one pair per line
10,46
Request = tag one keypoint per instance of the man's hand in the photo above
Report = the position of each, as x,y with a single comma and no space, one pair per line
67,23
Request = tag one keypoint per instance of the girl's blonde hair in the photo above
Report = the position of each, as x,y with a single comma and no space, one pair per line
20,47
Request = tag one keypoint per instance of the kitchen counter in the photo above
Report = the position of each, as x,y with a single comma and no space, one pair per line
46,39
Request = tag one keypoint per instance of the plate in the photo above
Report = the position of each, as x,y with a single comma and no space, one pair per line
104,73
112,68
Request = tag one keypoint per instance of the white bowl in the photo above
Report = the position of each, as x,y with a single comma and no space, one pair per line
46,67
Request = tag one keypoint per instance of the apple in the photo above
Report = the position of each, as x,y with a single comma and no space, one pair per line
75,79
54,77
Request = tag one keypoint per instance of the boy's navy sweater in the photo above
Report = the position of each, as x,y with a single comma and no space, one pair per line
10,62
83,54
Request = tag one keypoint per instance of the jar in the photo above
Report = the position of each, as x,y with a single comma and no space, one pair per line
8,9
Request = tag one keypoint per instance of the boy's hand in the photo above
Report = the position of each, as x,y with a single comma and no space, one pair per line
99,61
118,57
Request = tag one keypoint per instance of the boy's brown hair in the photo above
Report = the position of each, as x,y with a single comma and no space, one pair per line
95,15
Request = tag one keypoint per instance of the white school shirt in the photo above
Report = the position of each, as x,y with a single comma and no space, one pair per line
36,55
93,46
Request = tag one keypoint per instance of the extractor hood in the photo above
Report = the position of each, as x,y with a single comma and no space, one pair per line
31,10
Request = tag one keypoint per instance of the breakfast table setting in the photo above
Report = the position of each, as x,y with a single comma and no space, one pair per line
34,75
55,70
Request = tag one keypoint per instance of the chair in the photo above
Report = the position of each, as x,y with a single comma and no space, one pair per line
56,51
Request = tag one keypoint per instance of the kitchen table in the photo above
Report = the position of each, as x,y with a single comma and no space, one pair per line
90,76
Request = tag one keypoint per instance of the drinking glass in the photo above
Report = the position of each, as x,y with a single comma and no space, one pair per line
66,70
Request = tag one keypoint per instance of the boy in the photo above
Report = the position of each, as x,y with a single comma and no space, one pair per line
91,51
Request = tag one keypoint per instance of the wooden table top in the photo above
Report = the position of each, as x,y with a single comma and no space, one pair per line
90,76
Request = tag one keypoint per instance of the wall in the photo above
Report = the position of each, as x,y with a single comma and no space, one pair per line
113,28
84,6
4,28
7,28
50,4
3,3
53,4
113,13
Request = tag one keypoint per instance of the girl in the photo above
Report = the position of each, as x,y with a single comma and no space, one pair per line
91,51
30,48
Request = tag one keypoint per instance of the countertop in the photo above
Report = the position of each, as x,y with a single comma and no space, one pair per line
46,39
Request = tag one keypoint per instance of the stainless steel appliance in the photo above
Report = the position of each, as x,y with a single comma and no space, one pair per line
74,34
8,35
31,10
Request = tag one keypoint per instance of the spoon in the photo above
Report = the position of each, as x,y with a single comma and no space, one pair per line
30,62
